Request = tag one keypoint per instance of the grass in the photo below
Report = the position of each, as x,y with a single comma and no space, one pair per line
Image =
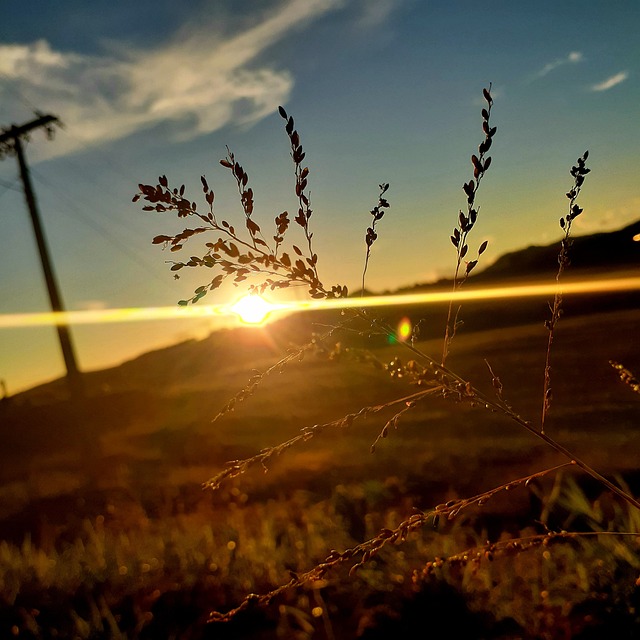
154,577
143,505
469,517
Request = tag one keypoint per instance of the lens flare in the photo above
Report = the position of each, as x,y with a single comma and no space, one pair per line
404,330
19,320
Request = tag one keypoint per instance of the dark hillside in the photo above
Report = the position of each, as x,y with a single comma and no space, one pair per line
607,251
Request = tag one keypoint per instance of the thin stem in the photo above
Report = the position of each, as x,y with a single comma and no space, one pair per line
467,221
579,171
377,212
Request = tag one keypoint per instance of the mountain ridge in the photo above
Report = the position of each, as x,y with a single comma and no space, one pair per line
605,250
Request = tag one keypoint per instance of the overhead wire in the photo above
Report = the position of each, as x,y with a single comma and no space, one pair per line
9,186
118,243
103,230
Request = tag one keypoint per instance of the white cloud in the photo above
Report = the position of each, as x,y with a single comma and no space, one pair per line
375,14
23,60
572,58
199,80
611,82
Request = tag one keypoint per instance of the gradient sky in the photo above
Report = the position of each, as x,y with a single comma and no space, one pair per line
381,91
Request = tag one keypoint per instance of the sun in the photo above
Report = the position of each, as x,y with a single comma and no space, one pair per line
252,309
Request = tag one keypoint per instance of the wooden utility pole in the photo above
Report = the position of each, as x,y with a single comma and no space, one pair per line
10,144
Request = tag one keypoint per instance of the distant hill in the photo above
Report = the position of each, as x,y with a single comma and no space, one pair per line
233,350
606,251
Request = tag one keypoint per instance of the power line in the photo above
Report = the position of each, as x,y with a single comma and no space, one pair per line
10,85
80,170
104,231
8,186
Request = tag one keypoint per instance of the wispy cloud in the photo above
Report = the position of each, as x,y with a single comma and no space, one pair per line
610,82
572,58
375,14
625,212
198,81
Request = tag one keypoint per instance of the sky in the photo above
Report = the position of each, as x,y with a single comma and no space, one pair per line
384,91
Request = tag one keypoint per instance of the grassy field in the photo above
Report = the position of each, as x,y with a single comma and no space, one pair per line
105,530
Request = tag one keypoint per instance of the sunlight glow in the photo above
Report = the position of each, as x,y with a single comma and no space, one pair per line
268,310
252,309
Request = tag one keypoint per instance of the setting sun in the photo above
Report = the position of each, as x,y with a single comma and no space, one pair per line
252,309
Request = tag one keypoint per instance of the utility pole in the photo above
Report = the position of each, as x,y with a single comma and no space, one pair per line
10,144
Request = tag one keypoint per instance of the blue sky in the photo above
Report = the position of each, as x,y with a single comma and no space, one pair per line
381,91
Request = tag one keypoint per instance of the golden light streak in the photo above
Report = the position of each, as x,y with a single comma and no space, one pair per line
137,314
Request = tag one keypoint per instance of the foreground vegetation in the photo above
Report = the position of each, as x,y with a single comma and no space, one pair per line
131,545
127,575
459,521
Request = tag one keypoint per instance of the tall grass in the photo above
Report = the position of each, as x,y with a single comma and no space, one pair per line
261,260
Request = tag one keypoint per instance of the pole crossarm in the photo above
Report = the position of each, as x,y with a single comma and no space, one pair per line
9,135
